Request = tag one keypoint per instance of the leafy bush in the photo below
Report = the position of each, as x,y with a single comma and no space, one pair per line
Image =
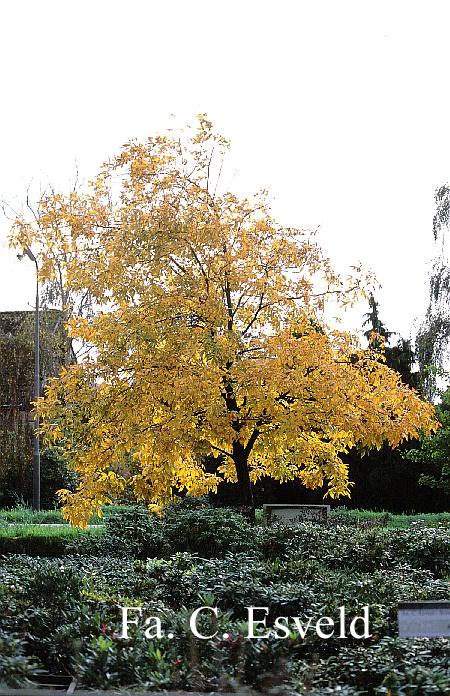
434,451
391,666
190,502
32,545
132,533
364,550
423,547
15,666
214,532
67,612
38,602
208,531
55,474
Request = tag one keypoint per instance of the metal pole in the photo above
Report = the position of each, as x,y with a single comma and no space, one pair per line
37,393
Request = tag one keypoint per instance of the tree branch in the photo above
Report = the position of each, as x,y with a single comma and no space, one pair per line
251,441
255,316
195,255
214,447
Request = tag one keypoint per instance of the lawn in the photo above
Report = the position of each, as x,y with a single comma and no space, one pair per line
23,514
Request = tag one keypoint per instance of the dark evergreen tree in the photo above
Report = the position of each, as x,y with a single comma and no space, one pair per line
383,479
399,357
377,334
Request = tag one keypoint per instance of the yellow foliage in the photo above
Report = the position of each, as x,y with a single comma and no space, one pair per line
207,339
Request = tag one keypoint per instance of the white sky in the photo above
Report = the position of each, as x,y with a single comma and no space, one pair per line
339,108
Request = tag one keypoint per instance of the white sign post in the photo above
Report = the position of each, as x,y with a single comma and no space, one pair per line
295,514
424,619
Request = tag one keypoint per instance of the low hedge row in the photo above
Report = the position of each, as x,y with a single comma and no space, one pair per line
32,545
339,515
38,541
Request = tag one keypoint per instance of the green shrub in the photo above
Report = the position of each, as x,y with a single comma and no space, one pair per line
48,546
210,532
41,607
67,613
214,532
423,547
190,502
390,666
204,530
15,666
133,533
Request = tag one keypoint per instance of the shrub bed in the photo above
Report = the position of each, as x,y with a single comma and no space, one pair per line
212,533
63,614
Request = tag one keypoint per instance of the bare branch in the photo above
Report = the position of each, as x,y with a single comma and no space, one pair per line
197,259
256,314
218,449
177,264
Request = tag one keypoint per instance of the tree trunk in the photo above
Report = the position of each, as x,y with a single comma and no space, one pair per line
240,459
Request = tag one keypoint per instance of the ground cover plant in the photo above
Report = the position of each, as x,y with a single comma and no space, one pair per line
63,614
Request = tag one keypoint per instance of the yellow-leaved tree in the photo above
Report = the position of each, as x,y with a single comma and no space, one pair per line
206,337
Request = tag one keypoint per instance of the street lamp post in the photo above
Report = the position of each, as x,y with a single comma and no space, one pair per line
37,391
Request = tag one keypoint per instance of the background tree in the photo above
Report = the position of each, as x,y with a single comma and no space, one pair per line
434,334
55,256
383,479
376,333
434,452
399,357
208,338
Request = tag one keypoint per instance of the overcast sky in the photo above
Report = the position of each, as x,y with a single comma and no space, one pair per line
339,108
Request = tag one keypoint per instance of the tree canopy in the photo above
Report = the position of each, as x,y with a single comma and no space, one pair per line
207,337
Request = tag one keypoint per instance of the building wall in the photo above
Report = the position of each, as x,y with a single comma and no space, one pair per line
17,392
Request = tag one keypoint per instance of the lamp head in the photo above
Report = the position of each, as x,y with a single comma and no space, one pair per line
27,252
